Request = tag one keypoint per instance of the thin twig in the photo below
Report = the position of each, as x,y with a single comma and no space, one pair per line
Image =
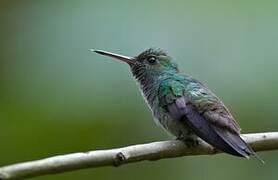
129,154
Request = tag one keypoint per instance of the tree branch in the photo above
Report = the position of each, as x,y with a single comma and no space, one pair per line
129,154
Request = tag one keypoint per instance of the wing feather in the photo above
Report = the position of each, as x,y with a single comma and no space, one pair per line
206,115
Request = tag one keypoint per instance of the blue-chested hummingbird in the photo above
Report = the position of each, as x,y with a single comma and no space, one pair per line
182,105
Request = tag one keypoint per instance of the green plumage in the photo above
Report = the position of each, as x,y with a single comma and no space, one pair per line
183,106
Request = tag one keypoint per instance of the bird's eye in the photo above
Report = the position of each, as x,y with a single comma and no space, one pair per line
152,60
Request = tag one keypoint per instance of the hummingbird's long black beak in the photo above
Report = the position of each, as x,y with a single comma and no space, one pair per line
128,60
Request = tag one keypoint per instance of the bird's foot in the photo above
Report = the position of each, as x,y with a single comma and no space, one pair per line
190,142
189,139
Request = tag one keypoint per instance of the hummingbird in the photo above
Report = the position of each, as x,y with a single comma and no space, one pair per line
182,105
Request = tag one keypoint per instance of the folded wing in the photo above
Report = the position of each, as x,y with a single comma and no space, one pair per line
206,115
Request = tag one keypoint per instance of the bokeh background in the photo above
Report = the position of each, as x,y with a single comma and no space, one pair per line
56,97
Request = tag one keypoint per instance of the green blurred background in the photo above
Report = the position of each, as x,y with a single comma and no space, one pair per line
56,97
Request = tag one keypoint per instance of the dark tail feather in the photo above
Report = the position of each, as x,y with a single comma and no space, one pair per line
258,158
219,138
205,132
237,143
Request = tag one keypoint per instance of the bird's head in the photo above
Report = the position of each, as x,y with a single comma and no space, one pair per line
152,62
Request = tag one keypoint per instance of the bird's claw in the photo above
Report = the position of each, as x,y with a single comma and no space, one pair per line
190,143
